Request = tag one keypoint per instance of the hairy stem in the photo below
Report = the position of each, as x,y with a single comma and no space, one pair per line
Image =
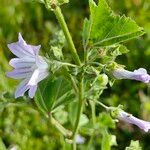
79,113
64,27
104,106
64,131
92,103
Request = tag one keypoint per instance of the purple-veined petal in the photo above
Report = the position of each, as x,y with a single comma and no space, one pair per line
139,75
22,88
22,49
34,48
22,62
28,66
129,118
32,91
20,73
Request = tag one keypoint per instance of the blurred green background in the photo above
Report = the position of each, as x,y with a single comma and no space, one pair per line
26,129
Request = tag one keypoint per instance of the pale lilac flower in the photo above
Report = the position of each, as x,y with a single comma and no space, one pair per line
140,74
80,139
129,118
28,66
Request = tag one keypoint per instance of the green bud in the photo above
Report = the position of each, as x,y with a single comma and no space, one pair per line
52,4
103,79
114,111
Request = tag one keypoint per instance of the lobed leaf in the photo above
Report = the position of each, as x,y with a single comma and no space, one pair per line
108,28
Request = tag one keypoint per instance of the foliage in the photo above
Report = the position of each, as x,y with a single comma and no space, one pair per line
23,126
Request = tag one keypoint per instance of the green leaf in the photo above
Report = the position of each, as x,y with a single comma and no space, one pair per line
73,108
106,141
61,115
86,31
64,99
105,121
61,2
119,50
2,145
134,145
47,94
53,93
113,141
108,28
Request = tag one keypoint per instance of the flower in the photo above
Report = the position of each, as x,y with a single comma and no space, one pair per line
80,139
139,75
129,118
28,66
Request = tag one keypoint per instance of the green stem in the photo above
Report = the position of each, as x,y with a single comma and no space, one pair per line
104,106
79,113
64,131
64,27
92,103
70,78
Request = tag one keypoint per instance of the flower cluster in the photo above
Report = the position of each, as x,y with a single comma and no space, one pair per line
139,75
28,66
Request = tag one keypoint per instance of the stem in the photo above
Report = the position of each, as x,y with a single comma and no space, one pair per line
104,106
79,113
70,78
64,131
64,27
92,103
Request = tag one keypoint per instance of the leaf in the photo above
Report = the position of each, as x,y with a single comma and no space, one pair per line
105,121
113,141
106,141
134,145
47,94
2,145
64,99
73,108
119,51
83,120
61,115
61,2
108,28
53,93
86,31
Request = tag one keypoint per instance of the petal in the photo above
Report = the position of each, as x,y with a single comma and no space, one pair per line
22,49
35,49
43,74
20,73
144,125
41,63
32,91
122,74
34,78
141,71
22,62
22,88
